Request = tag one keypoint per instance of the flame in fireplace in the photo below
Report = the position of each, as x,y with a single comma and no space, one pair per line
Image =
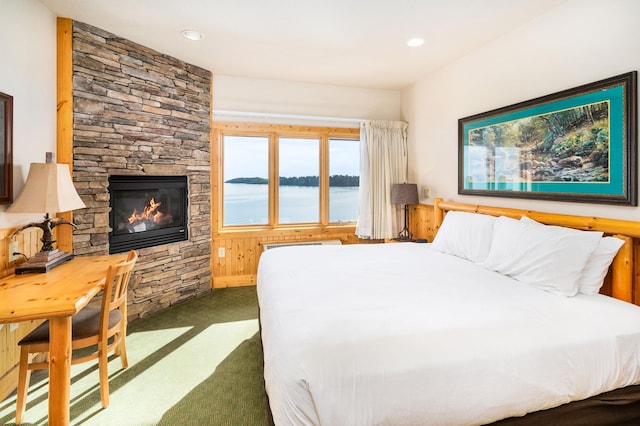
150,212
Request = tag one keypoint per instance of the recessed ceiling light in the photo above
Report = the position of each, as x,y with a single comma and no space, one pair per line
415,42
192,35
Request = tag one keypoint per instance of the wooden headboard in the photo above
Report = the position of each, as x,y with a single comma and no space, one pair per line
621,282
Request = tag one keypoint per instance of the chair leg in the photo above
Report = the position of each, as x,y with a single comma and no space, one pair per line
104,374
24,374
121,350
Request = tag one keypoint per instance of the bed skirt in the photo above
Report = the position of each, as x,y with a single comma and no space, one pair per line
617,407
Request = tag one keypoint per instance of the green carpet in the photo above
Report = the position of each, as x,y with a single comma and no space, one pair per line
195,363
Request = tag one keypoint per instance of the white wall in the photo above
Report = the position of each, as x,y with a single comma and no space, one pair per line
28,73
301,99
578,42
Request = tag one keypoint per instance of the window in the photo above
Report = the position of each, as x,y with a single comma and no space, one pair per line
344,180
246,174
288,176
299,180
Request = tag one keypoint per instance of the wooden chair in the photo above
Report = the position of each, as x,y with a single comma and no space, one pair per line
91,326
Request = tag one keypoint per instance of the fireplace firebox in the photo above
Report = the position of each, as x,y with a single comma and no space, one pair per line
147,211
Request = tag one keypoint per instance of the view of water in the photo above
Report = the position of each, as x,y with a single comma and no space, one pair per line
248,204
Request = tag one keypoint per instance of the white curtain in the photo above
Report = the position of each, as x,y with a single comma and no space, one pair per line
383,162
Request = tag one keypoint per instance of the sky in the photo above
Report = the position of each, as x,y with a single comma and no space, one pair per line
249,157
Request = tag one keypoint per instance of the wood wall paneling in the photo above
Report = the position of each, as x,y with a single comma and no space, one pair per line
239,266
28,243
244,247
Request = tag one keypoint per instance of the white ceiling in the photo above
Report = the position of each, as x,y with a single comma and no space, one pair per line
358,43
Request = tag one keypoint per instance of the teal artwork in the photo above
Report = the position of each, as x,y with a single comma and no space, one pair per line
575,145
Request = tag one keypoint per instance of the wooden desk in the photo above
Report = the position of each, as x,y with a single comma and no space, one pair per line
56,296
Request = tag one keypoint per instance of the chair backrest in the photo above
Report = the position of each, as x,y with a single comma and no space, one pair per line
115,289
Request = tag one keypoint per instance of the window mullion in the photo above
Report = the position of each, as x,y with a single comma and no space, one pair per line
274,180
324,179
218,152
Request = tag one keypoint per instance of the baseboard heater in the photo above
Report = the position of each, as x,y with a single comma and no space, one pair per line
270,246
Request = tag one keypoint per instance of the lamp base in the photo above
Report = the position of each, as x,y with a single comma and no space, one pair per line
404,236
43,261
403,239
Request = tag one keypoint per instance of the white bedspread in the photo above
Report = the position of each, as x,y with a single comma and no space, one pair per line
401,334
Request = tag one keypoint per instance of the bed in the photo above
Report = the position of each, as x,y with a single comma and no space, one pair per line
471,329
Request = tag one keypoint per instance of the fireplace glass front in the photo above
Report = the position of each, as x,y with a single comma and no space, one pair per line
147,211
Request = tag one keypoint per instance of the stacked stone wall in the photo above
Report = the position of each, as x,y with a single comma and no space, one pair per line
140,112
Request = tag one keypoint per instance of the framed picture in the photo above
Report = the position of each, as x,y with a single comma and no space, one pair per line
6,149
575,145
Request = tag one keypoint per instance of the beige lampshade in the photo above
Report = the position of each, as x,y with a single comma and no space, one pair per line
404,193
49,189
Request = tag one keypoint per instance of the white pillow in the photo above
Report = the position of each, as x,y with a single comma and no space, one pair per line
466,235
597,266
549,257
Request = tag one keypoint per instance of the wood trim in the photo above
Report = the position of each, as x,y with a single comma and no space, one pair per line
64,147
636,272
274,190
296,233
586,223
234,281
622,279
216,178
323,184
272,131
213,182
231,127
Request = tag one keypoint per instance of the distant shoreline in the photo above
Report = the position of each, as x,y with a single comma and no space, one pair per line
334,181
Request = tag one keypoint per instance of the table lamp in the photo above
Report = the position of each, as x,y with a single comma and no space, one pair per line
404,193
48,189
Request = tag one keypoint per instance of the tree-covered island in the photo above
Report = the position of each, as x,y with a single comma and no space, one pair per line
335,180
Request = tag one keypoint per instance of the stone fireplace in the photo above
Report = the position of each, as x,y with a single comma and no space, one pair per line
137,112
